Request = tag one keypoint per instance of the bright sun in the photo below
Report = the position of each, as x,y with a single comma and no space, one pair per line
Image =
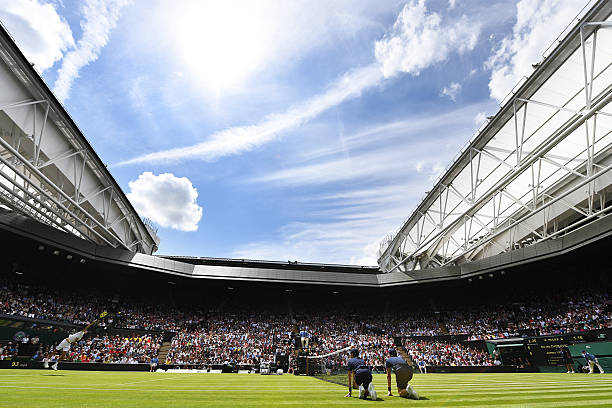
223,42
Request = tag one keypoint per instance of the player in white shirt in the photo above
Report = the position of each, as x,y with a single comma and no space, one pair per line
64,347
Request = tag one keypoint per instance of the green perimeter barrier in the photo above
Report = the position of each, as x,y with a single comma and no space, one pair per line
602,350
16,330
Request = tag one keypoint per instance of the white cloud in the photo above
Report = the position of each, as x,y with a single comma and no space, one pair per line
538,23
419,166
430,167
452,4
41,33
100,17
168,200
420,38
452,90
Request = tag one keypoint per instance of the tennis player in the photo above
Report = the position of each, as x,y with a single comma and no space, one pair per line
64,347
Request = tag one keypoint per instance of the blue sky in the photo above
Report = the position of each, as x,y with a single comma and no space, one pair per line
285,130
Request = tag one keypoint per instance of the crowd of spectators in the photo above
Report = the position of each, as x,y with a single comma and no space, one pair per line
241,337
563,313
79,308
559,314
333,331
8,350
436,353
115,349
232,338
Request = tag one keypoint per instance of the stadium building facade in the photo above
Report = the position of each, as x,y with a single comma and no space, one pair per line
531,191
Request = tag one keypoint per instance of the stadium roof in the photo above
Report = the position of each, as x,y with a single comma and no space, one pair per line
295,265
538,168
25,235
48,169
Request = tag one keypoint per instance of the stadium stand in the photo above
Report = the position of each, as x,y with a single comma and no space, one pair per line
245,332
524,291
437,353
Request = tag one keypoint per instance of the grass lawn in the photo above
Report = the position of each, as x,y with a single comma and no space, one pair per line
45,388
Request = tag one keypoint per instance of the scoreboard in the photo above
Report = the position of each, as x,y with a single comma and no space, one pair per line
545,351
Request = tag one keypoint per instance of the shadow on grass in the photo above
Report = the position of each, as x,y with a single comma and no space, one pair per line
53,375
380,399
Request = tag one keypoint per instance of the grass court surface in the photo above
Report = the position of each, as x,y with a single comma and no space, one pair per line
46,388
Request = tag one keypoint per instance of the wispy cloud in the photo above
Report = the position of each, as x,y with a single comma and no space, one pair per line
392,132
100,17
356,222
451,91
348,223
410,40
371,166
381,150
245,138
138,96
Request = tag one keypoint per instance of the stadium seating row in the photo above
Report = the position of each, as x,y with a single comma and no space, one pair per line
204,337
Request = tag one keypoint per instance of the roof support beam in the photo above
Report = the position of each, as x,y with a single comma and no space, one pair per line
567,129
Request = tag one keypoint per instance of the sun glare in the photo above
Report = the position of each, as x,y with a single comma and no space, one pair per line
221,43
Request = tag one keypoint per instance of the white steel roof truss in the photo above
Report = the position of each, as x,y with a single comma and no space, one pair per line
558,136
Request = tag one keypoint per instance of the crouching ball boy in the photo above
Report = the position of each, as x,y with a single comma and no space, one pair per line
403,374
360,374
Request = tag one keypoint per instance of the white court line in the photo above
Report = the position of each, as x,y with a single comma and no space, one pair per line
323,386
16,375
204,389
208,389
593,380
153,379
504,394
560,403
522,389
515,385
